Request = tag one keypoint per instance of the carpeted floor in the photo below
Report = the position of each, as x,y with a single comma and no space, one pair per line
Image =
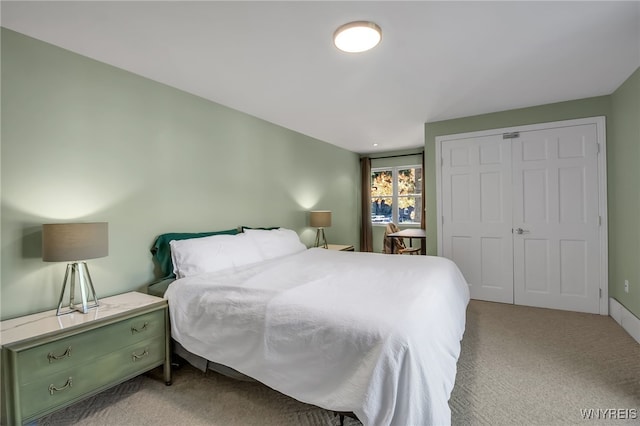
519,366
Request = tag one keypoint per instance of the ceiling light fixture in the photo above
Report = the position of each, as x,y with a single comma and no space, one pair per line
358,36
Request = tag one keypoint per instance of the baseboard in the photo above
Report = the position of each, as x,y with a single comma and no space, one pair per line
625,318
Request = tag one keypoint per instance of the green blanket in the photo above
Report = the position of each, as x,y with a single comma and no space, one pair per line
162,252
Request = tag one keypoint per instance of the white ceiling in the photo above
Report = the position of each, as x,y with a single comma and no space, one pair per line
276,60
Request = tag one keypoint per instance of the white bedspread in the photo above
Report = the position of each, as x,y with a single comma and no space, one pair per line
378,335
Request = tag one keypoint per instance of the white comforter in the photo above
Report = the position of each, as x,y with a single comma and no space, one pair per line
377,335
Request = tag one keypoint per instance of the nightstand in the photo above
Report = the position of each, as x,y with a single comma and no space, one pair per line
340,247
50,362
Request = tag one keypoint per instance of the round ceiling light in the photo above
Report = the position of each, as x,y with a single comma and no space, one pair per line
357,36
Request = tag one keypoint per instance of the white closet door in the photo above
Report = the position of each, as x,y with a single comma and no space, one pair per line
476,214
555,217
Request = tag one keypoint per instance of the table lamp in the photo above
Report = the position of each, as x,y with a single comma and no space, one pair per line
75,243
320,219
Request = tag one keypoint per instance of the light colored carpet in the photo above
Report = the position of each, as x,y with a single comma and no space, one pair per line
532,366
518,365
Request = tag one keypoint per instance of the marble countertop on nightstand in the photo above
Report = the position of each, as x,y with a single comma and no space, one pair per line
29,326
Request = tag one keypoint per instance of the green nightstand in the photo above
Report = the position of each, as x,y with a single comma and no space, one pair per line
50,362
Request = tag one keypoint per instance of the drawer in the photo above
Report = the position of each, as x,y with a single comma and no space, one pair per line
62,354
73,384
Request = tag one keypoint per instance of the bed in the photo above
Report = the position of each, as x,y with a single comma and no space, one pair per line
372,334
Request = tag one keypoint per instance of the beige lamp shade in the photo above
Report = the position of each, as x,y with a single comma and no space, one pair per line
320,219
68,242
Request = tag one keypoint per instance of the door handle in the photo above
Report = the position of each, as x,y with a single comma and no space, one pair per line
521,231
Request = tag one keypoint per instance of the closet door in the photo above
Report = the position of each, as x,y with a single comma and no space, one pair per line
476,214
523,213
555,218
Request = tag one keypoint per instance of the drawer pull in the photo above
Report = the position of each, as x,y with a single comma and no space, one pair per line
136,357
51,357
53,389
143,328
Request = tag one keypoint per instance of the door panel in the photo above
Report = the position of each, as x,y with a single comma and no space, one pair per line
491,191
461,203
536,266
535,205
476,207
491,259
572,195
573,268
555,181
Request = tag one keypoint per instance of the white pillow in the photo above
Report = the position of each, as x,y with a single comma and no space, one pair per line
209,254
276,242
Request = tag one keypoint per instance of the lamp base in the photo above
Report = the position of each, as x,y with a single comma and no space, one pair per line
320,238
87,292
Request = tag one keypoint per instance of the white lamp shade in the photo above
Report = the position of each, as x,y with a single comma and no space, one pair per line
320,219
70,242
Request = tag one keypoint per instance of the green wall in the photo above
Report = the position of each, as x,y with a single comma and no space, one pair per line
84,141
622,114
623,173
